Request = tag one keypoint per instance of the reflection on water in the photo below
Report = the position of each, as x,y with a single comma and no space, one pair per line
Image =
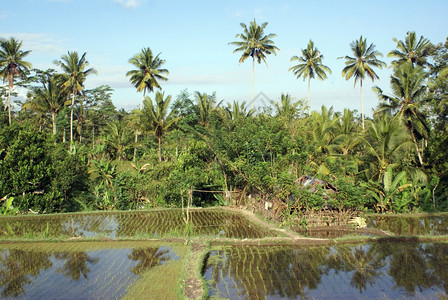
104,274
379,270
129,224
410,225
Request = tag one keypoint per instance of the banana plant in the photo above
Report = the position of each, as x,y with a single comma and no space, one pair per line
387,192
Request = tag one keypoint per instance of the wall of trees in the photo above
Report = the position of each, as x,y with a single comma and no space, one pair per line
68,148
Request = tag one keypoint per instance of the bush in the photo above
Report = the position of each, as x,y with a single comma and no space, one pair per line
39,175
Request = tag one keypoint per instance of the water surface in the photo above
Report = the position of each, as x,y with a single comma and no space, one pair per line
390,270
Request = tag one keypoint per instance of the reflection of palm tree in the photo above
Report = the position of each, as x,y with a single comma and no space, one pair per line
437,260
408,267
75,264
16,267
365,264
257,272
148,258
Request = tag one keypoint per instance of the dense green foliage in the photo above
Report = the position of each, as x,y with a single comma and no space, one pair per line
192,145
40,175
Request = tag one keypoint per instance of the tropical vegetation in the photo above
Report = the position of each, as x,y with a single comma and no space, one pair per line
193,146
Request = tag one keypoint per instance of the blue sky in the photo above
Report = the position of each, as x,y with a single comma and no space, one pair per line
193,38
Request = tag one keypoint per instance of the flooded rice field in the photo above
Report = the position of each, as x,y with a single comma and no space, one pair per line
379,270
419,224
157,224
110,266
41,271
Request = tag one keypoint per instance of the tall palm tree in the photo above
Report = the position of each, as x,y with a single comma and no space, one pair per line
75,73
146,76
409,89
411,50
48,98
254,43
310,65
12,65
361,65
148,71
157,118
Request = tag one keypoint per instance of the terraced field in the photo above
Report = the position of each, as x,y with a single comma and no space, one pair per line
222,253
149,224
372,271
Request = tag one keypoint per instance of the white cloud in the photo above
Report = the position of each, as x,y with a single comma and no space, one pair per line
113,76
41,43
129,4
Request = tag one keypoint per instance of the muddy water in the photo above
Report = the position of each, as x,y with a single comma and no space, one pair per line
388,270
130,224
99,274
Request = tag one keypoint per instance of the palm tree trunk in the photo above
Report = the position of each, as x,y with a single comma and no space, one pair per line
9,106
11,85
71,117
53,118
253,71
160,148
309,83
362,107
136,130
420,159
80,132
135,146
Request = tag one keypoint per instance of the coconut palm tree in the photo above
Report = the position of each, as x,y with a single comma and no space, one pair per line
346,133
12,65
386,143
206,104
48,98
309,66
119,136
411,50
75,73
148,71
409,90
254,43
360,65
156,117
146,76
238,111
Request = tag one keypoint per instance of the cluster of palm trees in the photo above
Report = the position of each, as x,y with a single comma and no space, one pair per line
53,94
372,151
253,42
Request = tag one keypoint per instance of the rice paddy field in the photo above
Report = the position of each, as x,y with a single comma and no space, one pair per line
219,254
367,271
150,224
